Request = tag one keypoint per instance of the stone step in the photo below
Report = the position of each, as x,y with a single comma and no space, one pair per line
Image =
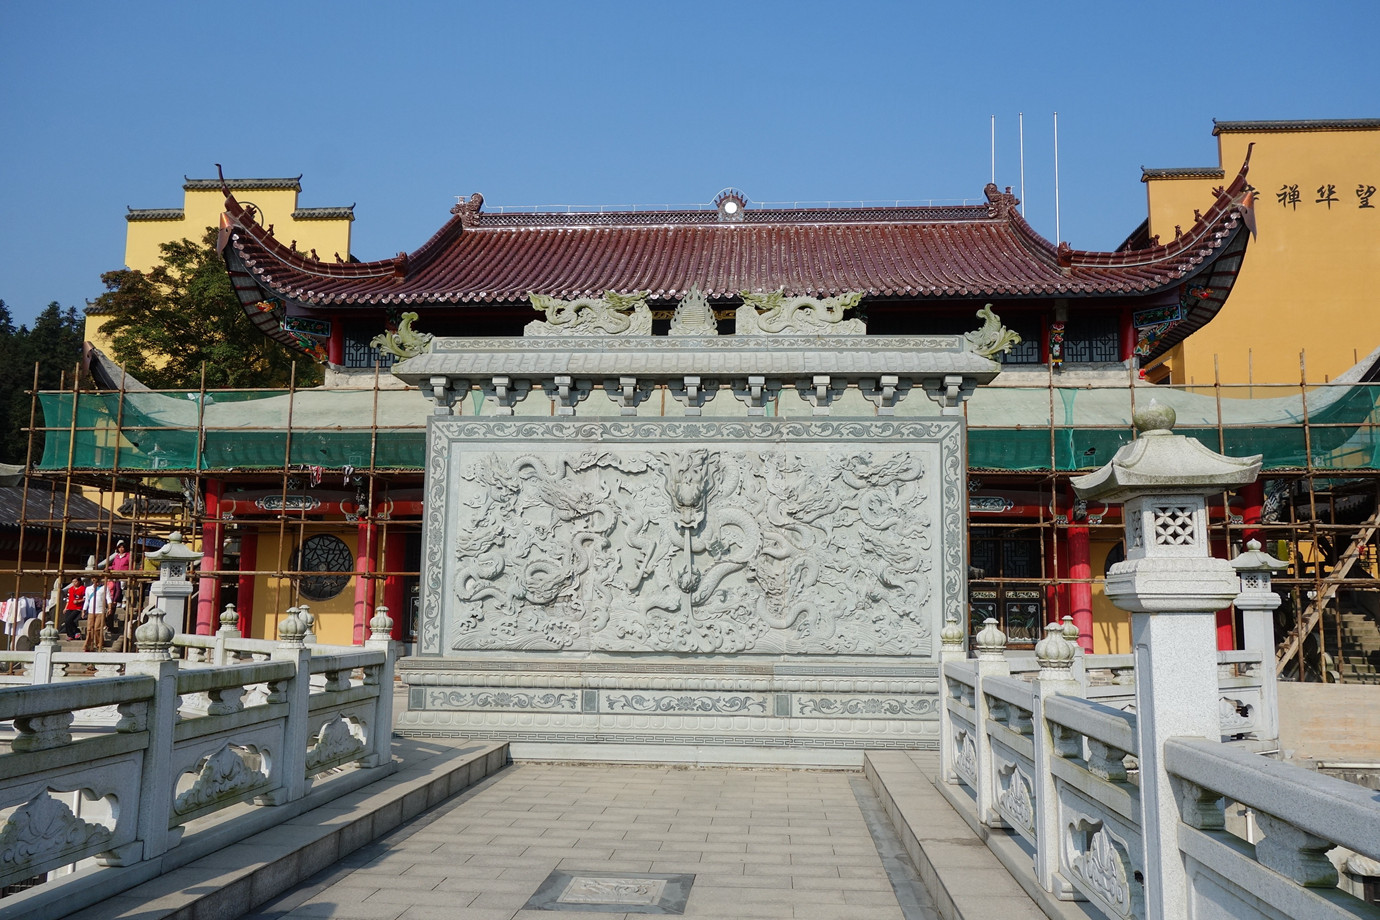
972,872
233,880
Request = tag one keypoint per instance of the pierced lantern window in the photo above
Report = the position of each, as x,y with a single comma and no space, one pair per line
329,555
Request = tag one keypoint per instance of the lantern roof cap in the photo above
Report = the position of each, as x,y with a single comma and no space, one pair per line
1160,461
175,550
1254,559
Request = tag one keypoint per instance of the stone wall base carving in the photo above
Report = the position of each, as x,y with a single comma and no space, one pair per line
797,711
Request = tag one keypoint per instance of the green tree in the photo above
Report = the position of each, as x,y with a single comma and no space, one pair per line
54,344
164,324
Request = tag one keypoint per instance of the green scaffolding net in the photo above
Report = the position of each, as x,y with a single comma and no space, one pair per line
1014,428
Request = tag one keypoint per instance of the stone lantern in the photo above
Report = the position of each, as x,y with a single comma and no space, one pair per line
170,592
1257,603
1172,587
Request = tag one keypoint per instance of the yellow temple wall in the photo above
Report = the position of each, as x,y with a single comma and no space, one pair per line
202,208
273,595
1308,282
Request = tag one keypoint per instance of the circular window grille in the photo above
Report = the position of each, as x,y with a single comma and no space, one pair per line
326,554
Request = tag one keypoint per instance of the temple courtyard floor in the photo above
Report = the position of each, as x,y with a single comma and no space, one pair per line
601,841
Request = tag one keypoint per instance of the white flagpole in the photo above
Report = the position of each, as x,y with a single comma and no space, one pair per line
1020,120
1057,237
994,150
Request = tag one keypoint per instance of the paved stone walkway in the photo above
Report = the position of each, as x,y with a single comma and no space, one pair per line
759,843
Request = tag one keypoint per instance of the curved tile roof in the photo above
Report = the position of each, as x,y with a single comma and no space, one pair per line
903,253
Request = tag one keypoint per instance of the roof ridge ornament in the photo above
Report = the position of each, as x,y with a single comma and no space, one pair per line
404,343
991,337
612,314
1001,205
774,313
693,315
468,209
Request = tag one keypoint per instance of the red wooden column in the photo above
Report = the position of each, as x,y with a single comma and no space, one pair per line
1252,500
208,588
249,561
335,345
394,558
364,585
1080,592
1128,336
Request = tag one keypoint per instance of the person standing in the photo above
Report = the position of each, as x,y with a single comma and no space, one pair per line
72,608
96,603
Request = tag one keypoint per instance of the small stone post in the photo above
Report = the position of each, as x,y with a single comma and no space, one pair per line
1257,602
991,662
381,637
952,640
1172,588
1056,654
298,697
170,592
153,639
1080,661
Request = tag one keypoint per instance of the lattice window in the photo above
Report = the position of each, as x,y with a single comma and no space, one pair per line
330,555
1028,351
359,353
1092,339
1173,526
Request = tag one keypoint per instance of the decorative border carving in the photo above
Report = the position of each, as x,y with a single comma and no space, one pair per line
433,548
684,703
872,707
502,700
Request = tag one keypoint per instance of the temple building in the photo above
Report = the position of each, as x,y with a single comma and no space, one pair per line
316,495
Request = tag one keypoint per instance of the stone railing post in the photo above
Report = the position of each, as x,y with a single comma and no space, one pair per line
41,671
296,692
229,629
991,662
153,639
953,647
381,637
1080,659
1257,602
1172,588
1056,655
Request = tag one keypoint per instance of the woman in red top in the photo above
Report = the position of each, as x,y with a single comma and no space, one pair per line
71,611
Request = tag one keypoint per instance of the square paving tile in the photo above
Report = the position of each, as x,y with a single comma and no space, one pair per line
605,892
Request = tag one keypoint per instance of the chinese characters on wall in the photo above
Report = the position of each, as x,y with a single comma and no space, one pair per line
1291,195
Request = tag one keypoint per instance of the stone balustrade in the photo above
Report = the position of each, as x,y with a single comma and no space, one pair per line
1062,772
112,769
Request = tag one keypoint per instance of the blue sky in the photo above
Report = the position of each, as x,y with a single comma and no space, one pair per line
402,106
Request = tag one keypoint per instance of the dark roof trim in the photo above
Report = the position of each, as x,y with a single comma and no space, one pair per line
1182,172
155,214
345,213
202,185
1312,124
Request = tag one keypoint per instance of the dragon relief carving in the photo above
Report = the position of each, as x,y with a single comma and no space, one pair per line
43,828
612,314
710,551
774,313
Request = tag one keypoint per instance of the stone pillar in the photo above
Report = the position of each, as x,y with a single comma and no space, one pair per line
1056,656
208,592
953,639
1172,588
991,662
